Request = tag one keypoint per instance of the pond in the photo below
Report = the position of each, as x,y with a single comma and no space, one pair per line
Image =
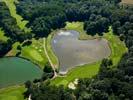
14,70
72,52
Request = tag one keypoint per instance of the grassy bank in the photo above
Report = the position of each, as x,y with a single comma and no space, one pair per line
34,52
118,48
50,52
12,93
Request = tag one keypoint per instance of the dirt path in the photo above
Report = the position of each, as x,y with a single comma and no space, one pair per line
45,50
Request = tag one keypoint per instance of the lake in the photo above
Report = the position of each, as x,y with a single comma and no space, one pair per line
72,52
14,70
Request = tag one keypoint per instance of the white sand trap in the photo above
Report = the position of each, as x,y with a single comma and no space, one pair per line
76,81
71,86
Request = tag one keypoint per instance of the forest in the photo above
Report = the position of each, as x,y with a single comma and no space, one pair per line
111,82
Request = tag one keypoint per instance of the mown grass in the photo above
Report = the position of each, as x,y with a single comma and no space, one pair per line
2,35
85,71
12,8
12,93
50,52
118,48
35,52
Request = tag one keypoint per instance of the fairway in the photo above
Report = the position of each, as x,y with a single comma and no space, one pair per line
12,93
32,53
50,52
118,48
35,52
20,22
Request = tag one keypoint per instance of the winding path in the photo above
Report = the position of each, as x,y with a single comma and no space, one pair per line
45,50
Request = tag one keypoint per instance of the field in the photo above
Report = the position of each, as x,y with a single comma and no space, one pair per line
118,48
20,22
12,93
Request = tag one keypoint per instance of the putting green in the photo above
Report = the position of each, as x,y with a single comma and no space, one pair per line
35,52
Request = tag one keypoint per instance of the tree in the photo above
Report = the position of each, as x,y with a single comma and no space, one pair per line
28,84
5,47
48,68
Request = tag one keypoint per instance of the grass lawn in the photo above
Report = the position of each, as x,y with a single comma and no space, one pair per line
20,22
12,93
2,37
118,48
35,52
50,52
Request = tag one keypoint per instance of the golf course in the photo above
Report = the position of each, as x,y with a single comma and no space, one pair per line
71,51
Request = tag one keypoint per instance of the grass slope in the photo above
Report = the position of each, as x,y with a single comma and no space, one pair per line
118,48
20,22
35,52
51,54
12,93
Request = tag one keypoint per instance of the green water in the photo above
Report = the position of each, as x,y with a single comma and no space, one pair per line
15,70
